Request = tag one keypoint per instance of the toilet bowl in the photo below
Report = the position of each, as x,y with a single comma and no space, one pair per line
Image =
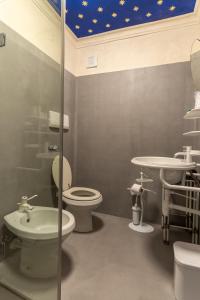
81,201
38,239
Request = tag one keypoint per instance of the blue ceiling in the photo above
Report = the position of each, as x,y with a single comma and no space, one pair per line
89,17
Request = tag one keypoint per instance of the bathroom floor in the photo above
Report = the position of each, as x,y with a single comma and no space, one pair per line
6,295
111,263
115,263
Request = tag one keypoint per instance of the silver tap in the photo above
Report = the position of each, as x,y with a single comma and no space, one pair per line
24,207
188,156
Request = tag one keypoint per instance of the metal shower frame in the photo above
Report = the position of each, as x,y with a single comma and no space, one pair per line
60,191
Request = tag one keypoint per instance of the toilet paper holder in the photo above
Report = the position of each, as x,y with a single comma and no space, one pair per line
138,190
134,190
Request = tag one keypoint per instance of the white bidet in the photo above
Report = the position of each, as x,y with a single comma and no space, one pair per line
38,238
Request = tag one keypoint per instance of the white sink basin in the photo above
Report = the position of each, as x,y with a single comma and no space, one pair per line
163,163
43,224
174,167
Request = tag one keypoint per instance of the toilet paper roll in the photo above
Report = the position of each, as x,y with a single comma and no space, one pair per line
136,188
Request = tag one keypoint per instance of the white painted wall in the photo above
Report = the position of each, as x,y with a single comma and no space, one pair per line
162,42
158,48
37,22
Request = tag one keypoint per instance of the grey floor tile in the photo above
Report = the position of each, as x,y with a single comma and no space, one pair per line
6,295
115,263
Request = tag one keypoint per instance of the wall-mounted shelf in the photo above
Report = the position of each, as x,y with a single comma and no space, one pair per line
193,114
192,133
47,155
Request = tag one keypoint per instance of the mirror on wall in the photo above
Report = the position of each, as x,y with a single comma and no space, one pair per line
195,63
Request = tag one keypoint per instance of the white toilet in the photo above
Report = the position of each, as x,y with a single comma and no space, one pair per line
80,201
187,271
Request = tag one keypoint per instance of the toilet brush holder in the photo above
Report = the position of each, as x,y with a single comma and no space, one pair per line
137,214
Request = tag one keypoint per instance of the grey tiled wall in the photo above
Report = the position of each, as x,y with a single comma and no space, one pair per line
113,117
125,114
29,88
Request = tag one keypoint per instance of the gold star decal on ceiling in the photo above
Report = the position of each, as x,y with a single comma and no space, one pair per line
136,8
85,3
87,16
121,2
114,15
148,15
160,2
100,9
172,8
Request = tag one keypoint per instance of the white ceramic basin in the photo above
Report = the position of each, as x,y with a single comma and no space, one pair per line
163,163
174,167
43,224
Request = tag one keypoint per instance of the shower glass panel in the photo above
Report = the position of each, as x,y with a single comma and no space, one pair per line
30,138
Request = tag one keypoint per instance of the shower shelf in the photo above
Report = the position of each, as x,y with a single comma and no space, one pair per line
191,133
42,132
32,146
38,118
193,114
28,169
47,155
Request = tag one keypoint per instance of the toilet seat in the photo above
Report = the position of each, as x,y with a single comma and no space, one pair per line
81,194
81,201
77,196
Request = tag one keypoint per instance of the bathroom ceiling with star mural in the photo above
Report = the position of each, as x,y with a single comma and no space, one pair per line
90,17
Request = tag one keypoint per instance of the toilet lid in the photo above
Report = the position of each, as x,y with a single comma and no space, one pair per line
67,173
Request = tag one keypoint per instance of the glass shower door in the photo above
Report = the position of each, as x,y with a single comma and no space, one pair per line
30,98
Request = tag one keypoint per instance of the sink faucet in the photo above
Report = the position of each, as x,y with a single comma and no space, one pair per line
23,206
188,156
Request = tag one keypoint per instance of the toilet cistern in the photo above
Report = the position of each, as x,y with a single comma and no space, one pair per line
24,207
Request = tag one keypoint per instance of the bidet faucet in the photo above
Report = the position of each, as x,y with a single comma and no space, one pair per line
24,206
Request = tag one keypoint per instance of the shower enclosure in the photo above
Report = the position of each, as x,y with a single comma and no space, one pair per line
31,86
